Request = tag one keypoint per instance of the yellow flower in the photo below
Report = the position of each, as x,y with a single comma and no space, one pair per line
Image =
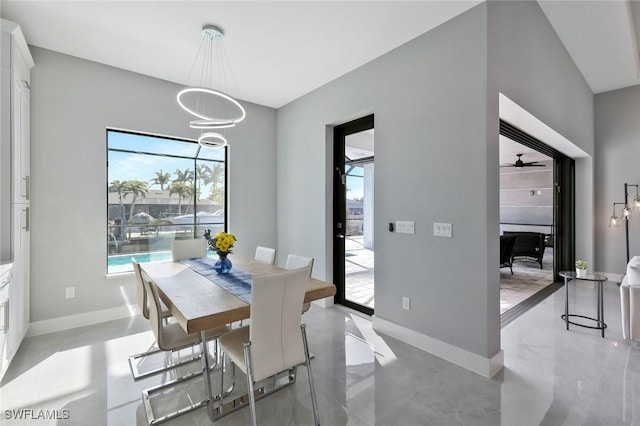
223,242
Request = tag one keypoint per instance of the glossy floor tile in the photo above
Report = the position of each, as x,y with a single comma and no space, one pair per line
527,279
551,377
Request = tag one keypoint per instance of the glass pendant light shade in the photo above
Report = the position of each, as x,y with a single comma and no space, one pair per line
636,202
613,221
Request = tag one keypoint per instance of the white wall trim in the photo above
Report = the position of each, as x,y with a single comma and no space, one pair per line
486,367
53,325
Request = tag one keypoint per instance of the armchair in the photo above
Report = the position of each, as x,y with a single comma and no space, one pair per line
630,301
529,246
506,251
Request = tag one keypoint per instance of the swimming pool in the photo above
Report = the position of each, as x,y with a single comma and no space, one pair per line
122,262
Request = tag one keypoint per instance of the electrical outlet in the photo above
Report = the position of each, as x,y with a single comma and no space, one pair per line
404,227
69,292
406,303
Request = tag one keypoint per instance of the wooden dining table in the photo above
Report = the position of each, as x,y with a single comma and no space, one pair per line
198,304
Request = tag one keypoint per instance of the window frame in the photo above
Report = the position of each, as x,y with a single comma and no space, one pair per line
195,159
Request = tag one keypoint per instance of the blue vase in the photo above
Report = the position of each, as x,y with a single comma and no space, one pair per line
222,265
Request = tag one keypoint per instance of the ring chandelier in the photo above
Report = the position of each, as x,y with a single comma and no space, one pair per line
212,36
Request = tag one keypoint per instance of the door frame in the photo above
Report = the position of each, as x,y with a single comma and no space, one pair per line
564,217
340,132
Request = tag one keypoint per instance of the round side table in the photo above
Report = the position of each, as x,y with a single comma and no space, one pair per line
594,277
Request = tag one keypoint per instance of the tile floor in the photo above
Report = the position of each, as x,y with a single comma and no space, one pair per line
526,280
551,376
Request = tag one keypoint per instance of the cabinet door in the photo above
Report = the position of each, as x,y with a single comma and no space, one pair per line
25,267
20,139
18,291
4,323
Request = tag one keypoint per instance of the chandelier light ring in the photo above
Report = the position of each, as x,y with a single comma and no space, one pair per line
211,124
208,91
211,32
212,140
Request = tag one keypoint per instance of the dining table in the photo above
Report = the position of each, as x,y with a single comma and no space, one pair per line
198,303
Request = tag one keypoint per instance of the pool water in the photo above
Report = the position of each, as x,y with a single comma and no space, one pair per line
122,262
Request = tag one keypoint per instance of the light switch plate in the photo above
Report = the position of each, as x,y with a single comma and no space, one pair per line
405,227
442,230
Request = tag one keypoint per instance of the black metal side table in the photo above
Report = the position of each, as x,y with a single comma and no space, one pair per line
595,277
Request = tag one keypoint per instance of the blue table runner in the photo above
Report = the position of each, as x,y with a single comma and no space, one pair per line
235,282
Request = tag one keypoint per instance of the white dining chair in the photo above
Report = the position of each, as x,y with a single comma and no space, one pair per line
275,341
188,249
295,261
171,337
265,255
136,361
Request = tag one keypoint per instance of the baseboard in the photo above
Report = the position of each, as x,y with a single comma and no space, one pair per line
69,322
486,367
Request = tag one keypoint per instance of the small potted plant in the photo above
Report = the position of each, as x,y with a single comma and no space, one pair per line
581,268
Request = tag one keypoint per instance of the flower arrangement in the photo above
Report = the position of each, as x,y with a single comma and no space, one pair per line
581,264
221,243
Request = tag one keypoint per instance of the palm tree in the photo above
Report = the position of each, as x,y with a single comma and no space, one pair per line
161,179
122,189
138,189
217,174
183,176
183,190
203,176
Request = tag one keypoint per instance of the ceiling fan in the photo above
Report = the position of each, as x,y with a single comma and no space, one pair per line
520,164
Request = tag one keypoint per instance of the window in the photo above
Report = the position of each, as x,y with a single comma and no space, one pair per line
160,189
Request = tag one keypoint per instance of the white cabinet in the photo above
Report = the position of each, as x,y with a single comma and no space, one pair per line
5,314
21,92
19,289
15,94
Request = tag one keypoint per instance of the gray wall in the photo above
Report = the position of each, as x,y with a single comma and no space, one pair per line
435,101
429,101
73,101
529,64
617,133
517,204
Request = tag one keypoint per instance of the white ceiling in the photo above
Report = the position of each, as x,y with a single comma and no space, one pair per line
601,38
509,151
280,51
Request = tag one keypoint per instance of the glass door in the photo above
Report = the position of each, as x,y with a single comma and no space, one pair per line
354,214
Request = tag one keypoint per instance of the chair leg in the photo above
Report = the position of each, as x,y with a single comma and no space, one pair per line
312,385
221,383
168,365
252,399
